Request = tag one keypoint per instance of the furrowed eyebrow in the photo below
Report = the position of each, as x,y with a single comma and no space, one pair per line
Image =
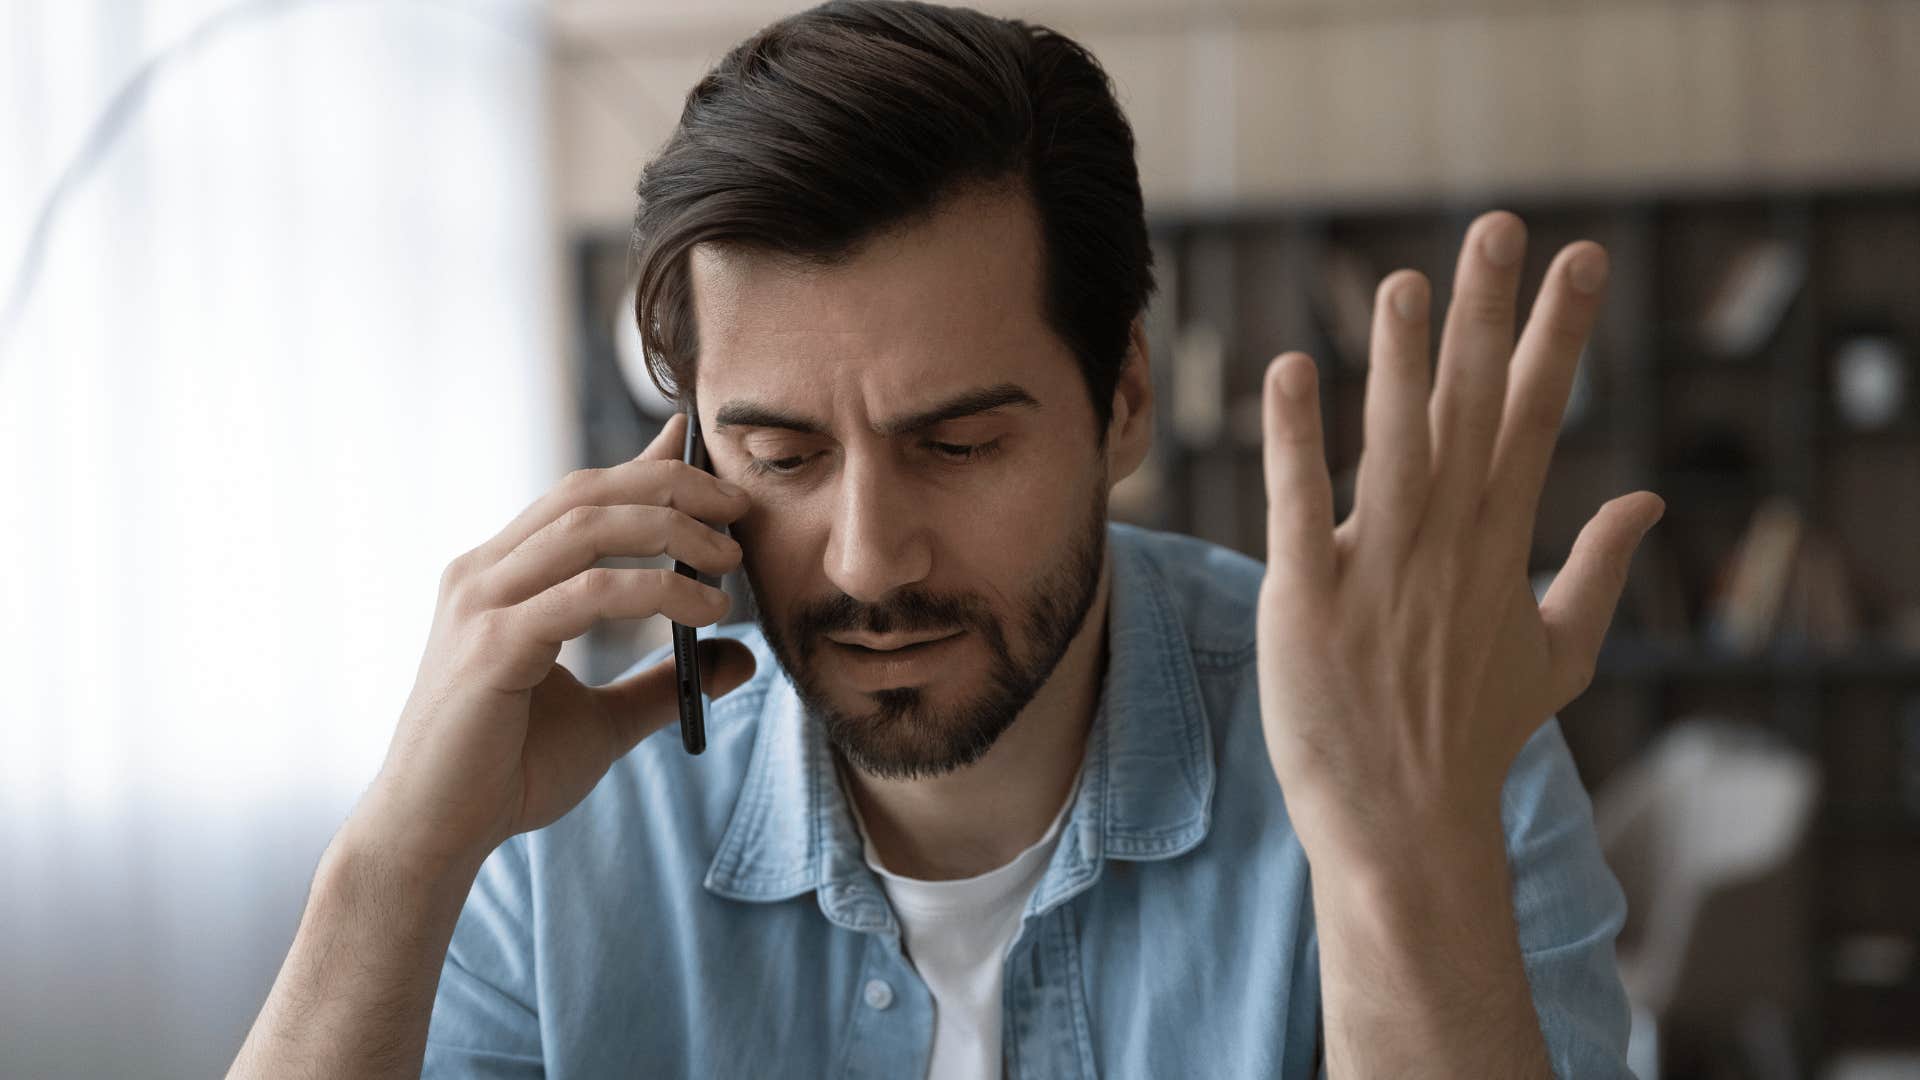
748,414
984,399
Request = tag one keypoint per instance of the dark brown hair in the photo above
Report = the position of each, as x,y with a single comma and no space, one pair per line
841,122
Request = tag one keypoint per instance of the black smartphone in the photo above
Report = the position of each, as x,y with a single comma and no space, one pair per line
686,658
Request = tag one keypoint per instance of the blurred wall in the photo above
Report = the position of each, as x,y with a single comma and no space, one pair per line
287,355
1308,100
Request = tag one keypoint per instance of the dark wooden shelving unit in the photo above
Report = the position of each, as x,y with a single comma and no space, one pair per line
1661,407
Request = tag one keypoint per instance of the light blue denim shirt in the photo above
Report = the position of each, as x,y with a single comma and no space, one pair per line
713,916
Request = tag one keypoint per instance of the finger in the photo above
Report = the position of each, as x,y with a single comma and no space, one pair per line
646,481
1579,605
1396,454
671,442
1471,382
1299,492
569,609
1542,378
645,702
665,446
586,534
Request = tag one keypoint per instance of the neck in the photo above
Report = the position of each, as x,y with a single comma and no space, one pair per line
977,818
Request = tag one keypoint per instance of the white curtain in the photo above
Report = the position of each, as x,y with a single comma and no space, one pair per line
292,346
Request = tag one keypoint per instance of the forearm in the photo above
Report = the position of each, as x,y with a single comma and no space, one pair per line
1420,965
356,992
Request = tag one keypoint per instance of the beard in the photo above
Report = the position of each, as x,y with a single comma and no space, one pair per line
903,736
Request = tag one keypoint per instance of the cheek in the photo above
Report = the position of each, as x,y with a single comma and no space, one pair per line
775,553
1002,543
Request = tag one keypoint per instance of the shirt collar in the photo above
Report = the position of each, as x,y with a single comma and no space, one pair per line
1146,787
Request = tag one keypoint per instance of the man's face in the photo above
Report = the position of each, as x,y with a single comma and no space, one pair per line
929,500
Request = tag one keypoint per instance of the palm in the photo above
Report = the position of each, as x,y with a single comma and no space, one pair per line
563,755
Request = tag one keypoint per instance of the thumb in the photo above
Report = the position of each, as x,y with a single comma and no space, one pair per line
647,701
1579,606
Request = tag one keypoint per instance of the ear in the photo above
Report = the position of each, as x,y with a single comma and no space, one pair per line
1130,432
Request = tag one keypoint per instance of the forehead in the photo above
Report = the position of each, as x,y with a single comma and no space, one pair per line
955,299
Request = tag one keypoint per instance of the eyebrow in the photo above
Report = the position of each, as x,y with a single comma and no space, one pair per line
983,399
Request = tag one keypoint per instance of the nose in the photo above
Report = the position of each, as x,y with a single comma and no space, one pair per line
879,540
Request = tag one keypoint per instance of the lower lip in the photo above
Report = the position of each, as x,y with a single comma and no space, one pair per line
908,666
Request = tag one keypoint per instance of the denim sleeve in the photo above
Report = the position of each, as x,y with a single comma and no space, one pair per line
1569,908
486,1021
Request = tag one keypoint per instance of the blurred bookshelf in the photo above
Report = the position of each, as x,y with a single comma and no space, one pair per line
1755,366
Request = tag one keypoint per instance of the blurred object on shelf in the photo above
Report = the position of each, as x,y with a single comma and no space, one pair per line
1873,959
1872,1065
1343,302
1759,283
1656,595
1707,833
1751,588
1820,612
1871,372
1199,385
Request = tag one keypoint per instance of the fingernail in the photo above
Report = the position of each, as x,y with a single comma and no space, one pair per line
1503,244
1588,272
728,489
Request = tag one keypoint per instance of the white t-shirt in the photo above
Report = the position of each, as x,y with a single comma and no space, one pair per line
956,935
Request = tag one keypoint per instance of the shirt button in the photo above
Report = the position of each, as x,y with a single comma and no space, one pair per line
879,995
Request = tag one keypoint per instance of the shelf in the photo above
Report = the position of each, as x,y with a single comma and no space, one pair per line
1635,658
1842,439
1855,817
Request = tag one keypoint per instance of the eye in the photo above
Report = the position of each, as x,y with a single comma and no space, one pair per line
785,466
963,452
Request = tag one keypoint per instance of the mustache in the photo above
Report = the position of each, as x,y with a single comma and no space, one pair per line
905,612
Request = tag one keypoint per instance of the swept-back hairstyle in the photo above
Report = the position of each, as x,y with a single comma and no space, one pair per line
834,125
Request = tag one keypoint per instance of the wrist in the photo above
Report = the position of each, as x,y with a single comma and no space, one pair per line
1383,831
374,859
389,825
1432,918
1393,870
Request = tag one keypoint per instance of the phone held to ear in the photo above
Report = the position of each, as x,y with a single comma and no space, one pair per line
686,658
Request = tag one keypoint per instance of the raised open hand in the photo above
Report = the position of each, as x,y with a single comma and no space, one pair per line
1403,661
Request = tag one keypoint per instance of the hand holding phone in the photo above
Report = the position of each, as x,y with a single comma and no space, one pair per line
497,736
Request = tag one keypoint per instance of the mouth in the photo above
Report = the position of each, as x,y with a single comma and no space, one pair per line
875,662
890,643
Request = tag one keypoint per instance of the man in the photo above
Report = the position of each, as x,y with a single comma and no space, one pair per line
1002,787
